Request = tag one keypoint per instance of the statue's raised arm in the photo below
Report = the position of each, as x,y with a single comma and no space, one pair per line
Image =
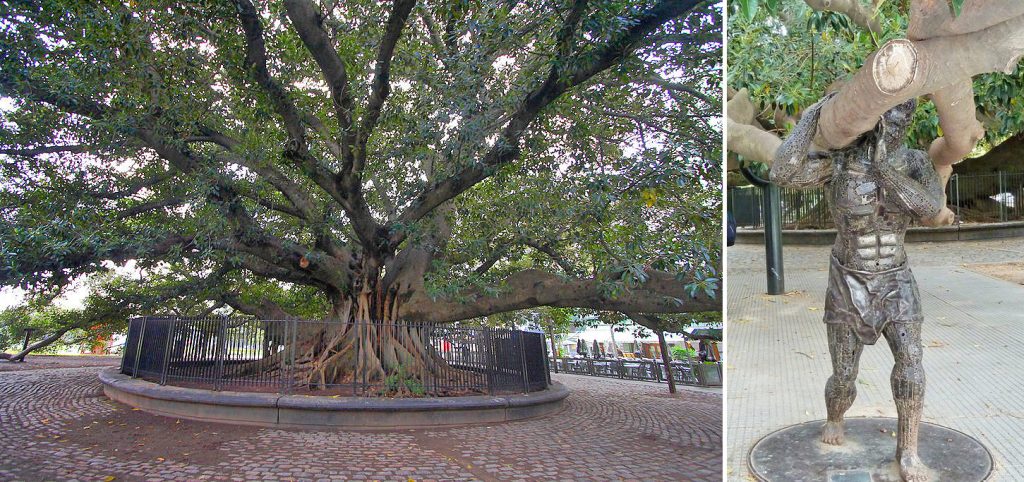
794,165
918,187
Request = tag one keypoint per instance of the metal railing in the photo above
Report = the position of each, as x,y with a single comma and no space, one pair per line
275,355
996,197
683,372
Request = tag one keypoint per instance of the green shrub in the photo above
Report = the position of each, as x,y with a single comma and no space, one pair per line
682,353
401,383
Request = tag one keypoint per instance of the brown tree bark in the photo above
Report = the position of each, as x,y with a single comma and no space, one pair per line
666,358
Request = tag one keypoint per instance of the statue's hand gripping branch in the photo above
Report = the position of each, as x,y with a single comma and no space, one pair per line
918,190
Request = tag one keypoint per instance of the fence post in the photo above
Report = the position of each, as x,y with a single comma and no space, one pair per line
1002,196
547,362
522,359
956,177
167,351
489,357
124,354
221,347
291,360
359,347
283,375
138,347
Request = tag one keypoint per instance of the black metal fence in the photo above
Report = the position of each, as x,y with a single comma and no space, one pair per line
996,197
277,355
683,372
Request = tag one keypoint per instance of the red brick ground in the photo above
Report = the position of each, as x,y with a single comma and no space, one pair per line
57,425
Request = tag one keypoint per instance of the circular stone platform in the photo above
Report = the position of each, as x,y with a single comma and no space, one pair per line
302,411
797,453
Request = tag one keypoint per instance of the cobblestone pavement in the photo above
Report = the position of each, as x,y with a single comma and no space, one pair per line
973,334
57,425
38,362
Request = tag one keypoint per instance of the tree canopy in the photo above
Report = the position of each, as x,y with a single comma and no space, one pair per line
433,161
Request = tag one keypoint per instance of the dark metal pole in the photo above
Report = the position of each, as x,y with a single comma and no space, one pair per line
771,203
522,359
773,239
221,349
488,347
138,347
167,350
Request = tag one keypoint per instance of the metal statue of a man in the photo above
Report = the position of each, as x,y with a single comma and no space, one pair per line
875,187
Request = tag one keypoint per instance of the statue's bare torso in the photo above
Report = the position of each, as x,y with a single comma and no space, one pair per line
870,225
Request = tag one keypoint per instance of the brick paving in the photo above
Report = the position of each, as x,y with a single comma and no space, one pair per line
57,425
973,334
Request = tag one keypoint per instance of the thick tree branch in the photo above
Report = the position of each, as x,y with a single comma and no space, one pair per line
380,86
18,86
265,310
56,335
256,62
346,190
249,238
745,136
902,69
555,256
958,120
662,293
934,18
306,21
680,87
149,206
499,253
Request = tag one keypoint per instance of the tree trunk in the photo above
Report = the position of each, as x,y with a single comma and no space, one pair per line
667,360
363,344
20,356
554,348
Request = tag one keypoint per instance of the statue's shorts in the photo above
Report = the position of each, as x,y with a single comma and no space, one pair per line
868,301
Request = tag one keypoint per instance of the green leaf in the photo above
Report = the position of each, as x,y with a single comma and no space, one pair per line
748,9
957,6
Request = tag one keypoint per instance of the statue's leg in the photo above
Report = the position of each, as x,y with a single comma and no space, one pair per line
841,389
908,390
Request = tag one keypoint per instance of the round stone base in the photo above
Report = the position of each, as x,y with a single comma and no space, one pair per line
300,411
868,455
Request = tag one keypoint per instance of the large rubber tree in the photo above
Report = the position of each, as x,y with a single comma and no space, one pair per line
962,55
384,161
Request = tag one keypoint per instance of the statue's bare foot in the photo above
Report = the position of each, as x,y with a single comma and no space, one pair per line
832,433
912,469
